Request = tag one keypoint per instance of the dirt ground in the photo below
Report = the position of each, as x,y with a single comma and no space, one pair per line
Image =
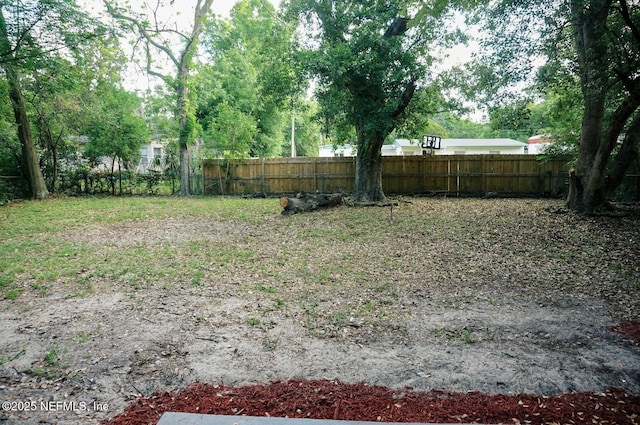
483,332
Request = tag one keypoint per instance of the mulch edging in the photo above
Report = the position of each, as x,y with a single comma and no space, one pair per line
629,329
324,399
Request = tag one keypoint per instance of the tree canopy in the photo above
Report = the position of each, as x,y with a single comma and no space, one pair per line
369,59
34,34
592,53
249,74
566,69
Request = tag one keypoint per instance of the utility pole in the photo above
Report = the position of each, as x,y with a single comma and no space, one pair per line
293,135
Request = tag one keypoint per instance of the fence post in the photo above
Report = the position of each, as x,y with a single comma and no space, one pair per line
458,177
448,176
315,174
262,184
484,173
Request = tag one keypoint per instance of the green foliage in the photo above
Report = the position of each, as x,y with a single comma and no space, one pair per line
189,130
52,356
37,28
80,181
12,185
4,360
513,41
63,97
253,321
39,45
307,130
251,75
159,112
369,57
231,132
531,45
12,188
513,119
114,128
460,128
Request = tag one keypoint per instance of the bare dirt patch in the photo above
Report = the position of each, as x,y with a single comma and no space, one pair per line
496,296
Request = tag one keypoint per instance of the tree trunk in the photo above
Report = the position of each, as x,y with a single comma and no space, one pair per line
587,188
184,170
304,202
112,178
368,182
186,131
30,158
602,125
626,155
120,177
54,166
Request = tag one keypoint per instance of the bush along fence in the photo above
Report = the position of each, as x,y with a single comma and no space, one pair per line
460,175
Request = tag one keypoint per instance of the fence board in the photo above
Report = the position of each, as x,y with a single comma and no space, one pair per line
451,174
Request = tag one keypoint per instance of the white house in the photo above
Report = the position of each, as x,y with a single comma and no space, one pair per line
402,147
406,147
152,155
537,144
325,151
481,146
399,147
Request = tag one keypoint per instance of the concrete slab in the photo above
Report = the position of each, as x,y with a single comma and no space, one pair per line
173,418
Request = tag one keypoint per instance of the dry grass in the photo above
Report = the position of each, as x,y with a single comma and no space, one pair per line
356,268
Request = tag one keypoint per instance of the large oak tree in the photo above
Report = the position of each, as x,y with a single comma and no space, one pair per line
594,44
607,41
369,57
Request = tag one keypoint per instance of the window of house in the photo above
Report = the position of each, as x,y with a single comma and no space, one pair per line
144,155
157,153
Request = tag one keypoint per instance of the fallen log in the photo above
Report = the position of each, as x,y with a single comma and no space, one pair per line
304,202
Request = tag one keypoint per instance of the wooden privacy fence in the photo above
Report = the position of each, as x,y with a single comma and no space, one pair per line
450,174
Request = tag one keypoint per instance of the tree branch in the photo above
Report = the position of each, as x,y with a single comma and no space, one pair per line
398,27
142,31
624,10
627,154
198,19
27,29
619,118
405,99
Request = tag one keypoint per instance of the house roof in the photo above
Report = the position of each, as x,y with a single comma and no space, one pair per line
482,143
539,139
332,147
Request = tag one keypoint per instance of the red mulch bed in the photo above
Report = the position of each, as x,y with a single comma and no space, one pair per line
630,330
336,400
324,399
